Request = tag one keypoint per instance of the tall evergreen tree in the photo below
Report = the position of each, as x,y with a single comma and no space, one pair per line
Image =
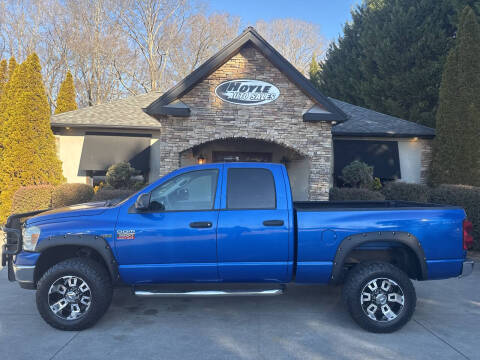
66,95
391,56
456,153
29,155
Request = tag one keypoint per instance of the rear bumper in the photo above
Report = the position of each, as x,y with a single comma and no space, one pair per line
467,267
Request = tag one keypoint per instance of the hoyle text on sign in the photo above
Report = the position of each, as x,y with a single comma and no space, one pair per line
247,92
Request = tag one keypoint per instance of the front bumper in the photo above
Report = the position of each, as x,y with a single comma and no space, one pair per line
25,275
467,267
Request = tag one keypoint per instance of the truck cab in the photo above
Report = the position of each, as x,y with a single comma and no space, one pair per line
191,230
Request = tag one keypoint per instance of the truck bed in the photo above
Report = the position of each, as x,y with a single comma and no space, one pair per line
364,205
323,225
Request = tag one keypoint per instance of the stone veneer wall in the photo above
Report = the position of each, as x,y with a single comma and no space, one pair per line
279,121
426,159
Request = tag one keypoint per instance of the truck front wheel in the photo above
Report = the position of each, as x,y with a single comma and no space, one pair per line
380,297
74,294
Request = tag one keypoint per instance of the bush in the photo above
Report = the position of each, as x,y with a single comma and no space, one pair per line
111,194
137,185
70,194
119,175
31,198
468,197
406,192
345,194
358,175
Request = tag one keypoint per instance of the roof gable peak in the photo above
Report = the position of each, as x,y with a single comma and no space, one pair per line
249,35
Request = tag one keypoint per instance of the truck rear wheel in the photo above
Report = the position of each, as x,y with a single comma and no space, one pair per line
74,294
379,296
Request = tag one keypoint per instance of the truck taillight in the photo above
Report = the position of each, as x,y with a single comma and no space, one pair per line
467,234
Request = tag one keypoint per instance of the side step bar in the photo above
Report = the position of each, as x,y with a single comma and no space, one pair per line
208,293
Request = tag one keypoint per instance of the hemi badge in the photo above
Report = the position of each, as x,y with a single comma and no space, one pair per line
125,234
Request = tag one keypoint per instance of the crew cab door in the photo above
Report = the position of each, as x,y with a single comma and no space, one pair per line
174,240
253,226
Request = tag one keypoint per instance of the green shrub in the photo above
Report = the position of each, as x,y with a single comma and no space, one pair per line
358,175
468,197
111,194
376,184
70,194
345,194
31,198
137,185
406,192
119,176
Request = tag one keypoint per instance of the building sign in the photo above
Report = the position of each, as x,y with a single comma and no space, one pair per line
247,92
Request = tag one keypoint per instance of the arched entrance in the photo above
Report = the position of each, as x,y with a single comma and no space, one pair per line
248,149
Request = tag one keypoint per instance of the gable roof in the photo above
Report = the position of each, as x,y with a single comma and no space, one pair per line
365,122
250,35
124,113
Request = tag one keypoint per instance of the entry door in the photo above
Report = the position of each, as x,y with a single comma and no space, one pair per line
253,227
175,239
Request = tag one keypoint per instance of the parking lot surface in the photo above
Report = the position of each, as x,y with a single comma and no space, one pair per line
309,322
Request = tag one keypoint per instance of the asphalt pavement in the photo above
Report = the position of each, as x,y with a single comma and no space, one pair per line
308,322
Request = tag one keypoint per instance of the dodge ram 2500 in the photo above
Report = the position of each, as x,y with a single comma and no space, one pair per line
233,229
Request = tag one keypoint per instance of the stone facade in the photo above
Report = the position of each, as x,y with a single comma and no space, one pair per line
426,159
279,121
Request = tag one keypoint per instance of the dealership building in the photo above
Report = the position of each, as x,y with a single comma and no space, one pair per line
246,103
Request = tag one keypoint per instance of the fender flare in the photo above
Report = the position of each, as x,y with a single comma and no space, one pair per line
353,241
95,242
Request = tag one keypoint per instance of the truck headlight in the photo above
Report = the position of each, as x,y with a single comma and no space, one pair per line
30,235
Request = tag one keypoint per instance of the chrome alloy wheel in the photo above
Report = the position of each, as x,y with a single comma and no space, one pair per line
69,297
382,299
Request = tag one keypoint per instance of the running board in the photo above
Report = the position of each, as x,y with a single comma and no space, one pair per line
208,293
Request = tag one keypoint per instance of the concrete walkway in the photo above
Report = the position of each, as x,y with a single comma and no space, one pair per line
306,323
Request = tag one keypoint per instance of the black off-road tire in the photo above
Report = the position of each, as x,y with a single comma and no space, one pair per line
96,277
359,276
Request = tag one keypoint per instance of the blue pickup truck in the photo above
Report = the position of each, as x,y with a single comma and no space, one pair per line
233,229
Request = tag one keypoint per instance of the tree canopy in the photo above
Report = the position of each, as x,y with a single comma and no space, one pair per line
456,152
391,56
28,154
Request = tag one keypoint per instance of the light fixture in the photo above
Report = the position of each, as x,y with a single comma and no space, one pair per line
67,128
201,160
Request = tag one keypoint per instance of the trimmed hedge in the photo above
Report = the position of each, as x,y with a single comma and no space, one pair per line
111,194
406,192
468,197
31,198
70,194
345,194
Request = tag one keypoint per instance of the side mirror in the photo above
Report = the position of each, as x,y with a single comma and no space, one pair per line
143,202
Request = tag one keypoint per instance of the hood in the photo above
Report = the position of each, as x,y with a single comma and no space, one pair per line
86,209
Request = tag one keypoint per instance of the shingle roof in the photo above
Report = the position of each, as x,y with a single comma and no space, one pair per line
365,122
128,113
124,113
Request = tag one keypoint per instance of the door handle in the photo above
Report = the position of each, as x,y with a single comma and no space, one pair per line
273,222
200,224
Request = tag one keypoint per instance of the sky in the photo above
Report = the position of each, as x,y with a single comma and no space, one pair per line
330,15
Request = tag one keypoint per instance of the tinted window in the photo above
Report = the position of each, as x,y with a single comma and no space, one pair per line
190,191
250,189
